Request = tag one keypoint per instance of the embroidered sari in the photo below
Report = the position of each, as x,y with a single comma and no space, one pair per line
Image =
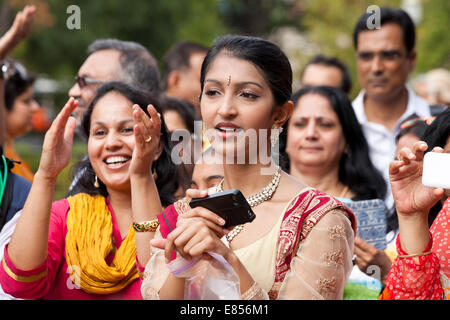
308,252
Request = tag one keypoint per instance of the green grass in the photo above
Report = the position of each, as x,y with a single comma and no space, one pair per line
30,151
355,291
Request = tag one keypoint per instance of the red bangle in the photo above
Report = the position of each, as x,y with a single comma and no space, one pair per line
403,254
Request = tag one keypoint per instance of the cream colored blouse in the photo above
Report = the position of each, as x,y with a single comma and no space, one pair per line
319,270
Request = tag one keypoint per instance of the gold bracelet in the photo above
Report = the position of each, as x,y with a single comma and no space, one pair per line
146,226
415,255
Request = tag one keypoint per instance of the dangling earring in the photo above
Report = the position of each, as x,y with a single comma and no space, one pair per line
96,184
154,174
274,134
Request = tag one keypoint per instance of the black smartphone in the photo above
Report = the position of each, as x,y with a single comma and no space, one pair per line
231,205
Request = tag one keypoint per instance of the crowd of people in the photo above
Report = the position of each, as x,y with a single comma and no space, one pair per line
329,156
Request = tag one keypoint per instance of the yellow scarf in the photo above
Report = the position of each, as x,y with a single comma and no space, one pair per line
89,240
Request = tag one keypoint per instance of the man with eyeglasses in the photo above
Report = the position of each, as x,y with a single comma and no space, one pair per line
113,60
384,58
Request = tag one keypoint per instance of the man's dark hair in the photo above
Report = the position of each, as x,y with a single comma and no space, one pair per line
138,66
346,80
177,57
389,15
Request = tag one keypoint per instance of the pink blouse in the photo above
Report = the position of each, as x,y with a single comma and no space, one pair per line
51,279
429,279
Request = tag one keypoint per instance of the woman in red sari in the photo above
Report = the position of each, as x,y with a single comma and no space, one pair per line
300,244
422,268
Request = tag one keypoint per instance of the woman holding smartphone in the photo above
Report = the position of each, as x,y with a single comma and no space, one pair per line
300,245
422,267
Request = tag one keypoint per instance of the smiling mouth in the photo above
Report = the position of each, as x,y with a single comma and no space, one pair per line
116,162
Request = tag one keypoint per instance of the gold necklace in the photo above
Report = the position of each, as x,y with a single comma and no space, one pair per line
255,199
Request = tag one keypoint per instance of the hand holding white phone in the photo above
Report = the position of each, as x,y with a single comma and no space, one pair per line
436,170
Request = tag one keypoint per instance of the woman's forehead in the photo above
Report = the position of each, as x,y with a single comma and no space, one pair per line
112,105
226,64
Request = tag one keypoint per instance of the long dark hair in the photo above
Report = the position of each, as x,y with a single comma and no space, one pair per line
355,167
436,135
165,169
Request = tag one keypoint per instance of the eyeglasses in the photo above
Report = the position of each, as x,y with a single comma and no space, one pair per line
84,81
388,55
412,122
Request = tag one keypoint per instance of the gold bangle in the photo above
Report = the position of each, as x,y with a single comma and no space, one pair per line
415,254
146,226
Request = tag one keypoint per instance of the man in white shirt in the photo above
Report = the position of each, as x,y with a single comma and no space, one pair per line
385,58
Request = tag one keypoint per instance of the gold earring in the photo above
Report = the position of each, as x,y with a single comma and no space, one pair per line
96,184
274,134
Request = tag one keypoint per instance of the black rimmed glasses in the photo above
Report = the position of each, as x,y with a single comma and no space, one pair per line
84,81
387,55
412,122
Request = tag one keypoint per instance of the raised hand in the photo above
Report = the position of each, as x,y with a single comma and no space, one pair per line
18,31
57,147
147,132
405,175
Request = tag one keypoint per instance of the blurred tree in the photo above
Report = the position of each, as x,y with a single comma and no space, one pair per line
329,28
57,51
433,40
258,17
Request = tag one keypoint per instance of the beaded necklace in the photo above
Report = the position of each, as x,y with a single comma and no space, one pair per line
255,199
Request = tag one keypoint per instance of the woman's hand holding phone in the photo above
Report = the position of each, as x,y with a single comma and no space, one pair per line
197,231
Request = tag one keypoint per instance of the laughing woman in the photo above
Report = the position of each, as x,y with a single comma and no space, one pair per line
85,246
300,244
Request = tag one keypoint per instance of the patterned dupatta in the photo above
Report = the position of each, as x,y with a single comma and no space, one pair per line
301,215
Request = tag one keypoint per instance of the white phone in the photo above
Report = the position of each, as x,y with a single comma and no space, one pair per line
436,170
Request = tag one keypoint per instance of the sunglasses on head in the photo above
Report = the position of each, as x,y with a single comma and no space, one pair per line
412,122
11,69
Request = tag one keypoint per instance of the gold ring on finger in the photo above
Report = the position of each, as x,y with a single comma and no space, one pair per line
148,139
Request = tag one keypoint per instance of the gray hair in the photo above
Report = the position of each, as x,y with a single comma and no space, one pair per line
138,66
